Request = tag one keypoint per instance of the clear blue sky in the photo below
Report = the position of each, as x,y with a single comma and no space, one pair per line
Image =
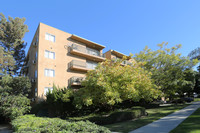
123,25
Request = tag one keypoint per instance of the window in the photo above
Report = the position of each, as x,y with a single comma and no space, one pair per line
35,92
49,54
37,38
93,52
35,55
49,73
35,73
91,65
50,37
47,89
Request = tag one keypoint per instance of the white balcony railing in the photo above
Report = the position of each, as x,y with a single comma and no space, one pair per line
86,50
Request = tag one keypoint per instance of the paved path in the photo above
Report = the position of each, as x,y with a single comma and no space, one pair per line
5,128
166,124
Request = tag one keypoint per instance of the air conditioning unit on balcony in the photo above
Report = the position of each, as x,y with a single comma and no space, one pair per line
35,44
34,62
33,80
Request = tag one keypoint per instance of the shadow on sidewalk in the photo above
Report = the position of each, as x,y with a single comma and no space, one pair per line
5,128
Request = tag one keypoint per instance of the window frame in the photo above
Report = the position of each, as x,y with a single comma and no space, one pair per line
35,74
46,89
48,72
49,36
47,52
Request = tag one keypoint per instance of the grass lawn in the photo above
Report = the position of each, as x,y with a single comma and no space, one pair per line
196,99
153,114
189,125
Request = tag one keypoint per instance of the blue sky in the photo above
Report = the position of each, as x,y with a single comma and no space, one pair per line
123,25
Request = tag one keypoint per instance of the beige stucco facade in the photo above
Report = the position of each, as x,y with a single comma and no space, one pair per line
74,56
113,55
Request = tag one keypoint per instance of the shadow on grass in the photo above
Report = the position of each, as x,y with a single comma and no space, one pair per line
189,125
153,114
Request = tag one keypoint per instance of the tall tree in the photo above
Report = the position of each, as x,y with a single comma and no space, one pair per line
6,61
111,83
167,66
197,79
12,32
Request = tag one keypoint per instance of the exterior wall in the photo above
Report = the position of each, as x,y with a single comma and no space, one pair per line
61,62
109,55
29,59
113,55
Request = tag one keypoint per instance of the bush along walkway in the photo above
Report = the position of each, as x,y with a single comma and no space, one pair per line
168,123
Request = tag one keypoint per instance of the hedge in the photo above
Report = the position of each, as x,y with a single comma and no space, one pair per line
114,117
31,123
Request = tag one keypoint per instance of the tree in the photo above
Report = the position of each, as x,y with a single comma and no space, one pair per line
6,61
16,85
13,106
187,84
111,83
197,81
167,67
59,101
13,96
12,32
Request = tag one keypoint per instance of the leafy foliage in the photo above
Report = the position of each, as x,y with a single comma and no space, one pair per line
13,92
187,84
30,123
113,117
13,106
60,101
167,67
197,81
111,83
6,61
12,32
16,85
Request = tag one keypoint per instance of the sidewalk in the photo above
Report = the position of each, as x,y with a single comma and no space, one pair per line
5,129
168,123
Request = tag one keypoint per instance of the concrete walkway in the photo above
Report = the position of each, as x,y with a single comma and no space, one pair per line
168,123
5,128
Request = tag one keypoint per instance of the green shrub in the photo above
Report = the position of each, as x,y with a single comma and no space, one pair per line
59,102
13,106
178,101
117,116
31,123
13,96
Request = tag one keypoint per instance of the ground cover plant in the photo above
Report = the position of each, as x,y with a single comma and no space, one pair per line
31,123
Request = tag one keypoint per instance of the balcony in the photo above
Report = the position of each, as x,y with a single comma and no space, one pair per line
123,63
79,66
88,53
76,81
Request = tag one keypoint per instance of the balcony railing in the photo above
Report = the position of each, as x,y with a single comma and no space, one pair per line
125,62
82,66
79,65
76,80
87,52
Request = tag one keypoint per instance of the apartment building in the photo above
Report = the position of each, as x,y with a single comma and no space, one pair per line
57,57
115,55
